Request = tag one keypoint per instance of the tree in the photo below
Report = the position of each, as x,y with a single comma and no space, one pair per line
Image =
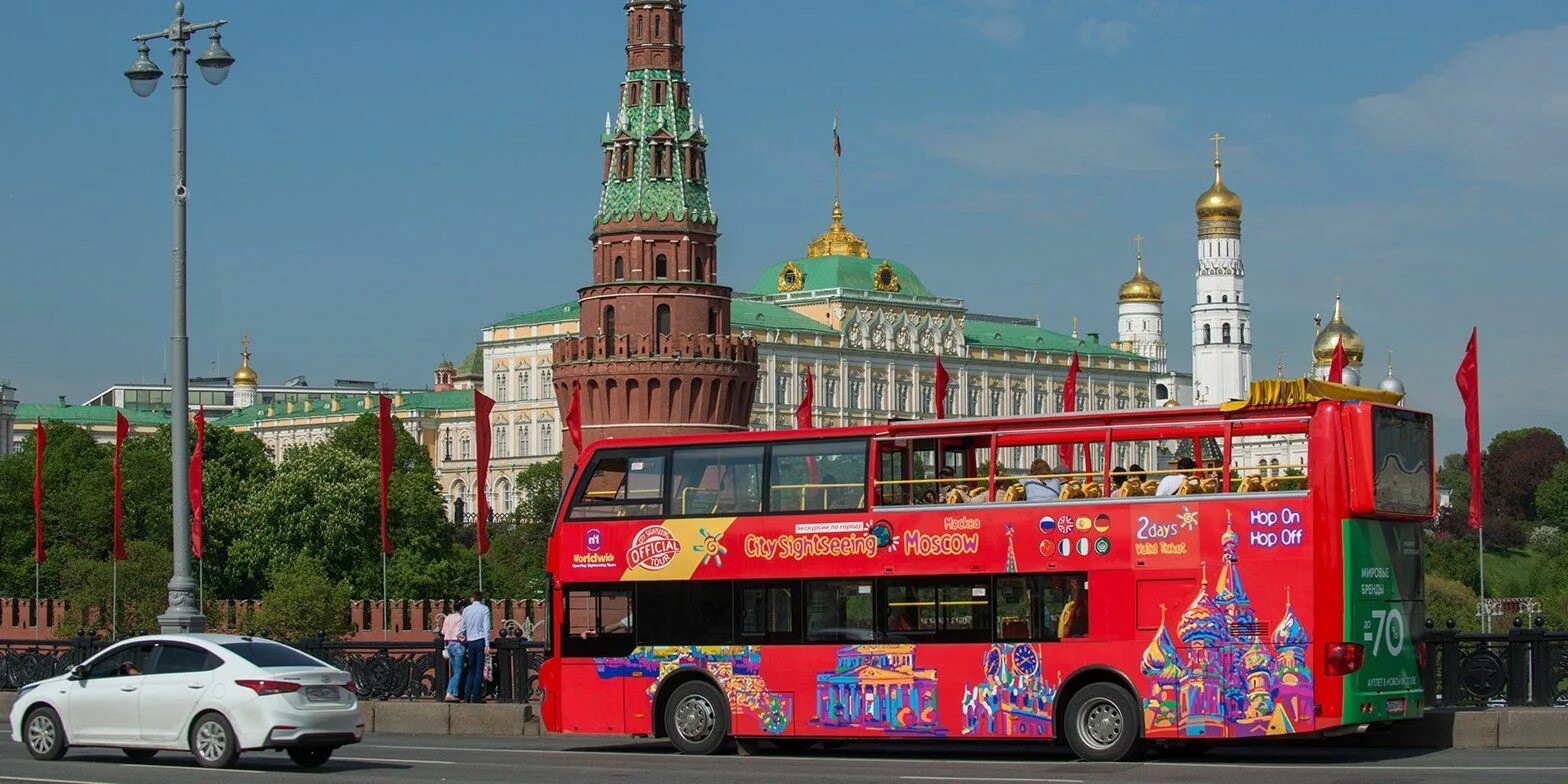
322,504
1551,497
1454,474
77,507
1515,465
1454,559
87,585
1450,599
303,602
515,564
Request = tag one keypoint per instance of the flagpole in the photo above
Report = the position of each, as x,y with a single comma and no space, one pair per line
385,625
836,155
37,596
481,573
1486,611
114,602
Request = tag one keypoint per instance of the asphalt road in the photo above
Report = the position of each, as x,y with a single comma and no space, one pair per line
580,760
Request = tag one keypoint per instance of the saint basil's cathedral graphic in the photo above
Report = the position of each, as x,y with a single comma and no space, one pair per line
1230,677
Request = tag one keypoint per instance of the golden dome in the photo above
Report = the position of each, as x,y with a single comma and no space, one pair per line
1140,288
1218,202
837,240
245,376
1336,331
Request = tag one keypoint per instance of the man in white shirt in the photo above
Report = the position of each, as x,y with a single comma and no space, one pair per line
476,638
1173,482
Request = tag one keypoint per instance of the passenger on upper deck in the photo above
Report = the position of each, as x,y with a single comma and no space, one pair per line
1173,482
1042,484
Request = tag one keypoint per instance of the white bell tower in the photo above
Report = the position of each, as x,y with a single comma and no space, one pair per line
1221,317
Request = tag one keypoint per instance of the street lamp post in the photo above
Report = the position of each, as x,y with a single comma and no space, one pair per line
183,615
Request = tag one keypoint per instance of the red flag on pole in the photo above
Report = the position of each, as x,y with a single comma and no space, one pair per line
803,418
121,427
483,405
197,516
38,491
1064,452
940,390
387,444
1469,382
574,417
838,148
1336,366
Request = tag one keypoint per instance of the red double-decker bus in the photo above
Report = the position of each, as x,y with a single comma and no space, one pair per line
939,579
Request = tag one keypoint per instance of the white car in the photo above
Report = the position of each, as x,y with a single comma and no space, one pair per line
213,694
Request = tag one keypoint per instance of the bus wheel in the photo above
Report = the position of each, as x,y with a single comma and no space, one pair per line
697,718
1102,723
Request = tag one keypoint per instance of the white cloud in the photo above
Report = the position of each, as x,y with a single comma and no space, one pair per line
998,21
1124,138
1106,35
1497,111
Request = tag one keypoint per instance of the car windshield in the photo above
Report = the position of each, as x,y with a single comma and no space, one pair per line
271,654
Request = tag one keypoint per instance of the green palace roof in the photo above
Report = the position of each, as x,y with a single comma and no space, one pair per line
86,415
840,272
352,405
754,315
1028,337
567,311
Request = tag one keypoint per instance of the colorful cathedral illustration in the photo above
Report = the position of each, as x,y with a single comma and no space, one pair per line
1230,677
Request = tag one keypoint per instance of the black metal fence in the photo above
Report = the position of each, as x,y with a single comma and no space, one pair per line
390,670
1526,665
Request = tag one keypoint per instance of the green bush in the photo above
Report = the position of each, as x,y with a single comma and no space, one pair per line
303,602
1447,598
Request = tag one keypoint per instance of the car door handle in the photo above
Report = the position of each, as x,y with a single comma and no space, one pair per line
195,685
127,688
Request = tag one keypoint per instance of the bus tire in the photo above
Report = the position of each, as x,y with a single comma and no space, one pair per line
1102,723
697,718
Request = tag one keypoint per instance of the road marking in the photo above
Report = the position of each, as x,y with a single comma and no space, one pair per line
51,781
384,759
1370,765
954,778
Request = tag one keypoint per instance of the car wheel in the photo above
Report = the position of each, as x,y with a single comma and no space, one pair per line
310,758
1102,723
697,718
44,733
140,755
213,742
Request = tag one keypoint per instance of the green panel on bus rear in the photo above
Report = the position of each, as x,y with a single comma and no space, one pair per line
1384,610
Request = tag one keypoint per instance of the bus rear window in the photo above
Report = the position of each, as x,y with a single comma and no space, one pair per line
621,485
1401,461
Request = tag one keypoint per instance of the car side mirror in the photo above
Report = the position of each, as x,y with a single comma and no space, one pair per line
77,672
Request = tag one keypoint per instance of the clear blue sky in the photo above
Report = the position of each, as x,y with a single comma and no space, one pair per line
376,181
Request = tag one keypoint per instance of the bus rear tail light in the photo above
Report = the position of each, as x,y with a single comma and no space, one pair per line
1343,658
1421,656
265,687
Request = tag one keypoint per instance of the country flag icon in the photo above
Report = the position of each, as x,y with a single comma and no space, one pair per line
1064,547
1083,546
1102,523
1102,546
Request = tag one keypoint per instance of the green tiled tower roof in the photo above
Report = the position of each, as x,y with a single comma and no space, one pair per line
642,195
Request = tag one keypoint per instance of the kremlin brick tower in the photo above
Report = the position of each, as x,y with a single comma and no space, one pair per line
654,354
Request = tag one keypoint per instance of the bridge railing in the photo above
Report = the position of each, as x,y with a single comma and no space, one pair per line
386,670
1524,666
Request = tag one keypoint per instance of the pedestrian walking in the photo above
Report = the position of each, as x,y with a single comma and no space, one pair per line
452,636
476,638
